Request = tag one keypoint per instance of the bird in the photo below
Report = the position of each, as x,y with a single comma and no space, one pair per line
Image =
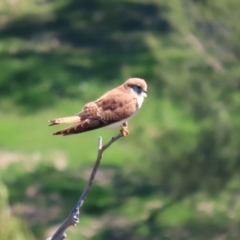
113,109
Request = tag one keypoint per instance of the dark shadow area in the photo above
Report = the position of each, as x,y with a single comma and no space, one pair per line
112,34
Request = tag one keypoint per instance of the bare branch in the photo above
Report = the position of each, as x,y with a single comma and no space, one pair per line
72,218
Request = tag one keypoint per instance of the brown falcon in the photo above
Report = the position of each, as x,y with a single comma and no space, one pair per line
113,109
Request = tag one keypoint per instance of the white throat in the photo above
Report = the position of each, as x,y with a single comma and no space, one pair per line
140,97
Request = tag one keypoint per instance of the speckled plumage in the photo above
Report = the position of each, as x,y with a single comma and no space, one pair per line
113,108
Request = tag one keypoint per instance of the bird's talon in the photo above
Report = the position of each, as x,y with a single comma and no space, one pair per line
124,129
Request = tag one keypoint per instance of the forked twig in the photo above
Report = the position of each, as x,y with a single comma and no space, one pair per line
72,218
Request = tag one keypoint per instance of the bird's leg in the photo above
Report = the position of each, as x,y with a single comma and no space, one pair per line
124,129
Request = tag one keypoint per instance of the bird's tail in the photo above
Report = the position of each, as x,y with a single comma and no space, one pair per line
73,119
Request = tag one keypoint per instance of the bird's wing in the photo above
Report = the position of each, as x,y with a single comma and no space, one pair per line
103,112
113,108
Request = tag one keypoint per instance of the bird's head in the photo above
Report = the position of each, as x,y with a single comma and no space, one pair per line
138,86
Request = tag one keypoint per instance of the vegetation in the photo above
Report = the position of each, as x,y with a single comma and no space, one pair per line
177,175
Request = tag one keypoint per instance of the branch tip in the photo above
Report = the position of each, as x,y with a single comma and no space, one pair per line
99,143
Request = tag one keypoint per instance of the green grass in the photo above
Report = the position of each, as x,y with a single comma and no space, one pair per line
29,134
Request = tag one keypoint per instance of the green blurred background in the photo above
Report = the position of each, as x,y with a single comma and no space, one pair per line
177,174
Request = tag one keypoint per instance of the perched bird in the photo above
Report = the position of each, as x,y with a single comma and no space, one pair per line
113,109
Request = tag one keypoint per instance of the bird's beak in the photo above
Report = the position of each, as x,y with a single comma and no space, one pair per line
145,93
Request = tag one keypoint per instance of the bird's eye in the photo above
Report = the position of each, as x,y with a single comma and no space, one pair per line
137,89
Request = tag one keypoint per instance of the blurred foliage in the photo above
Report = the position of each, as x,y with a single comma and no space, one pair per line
10,227
177,175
